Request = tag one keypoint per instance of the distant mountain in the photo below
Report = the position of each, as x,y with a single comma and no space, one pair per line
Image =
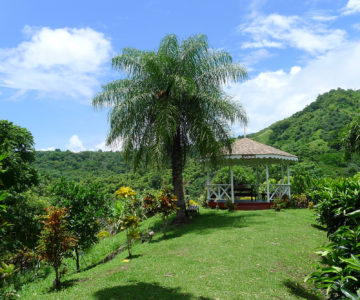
315,133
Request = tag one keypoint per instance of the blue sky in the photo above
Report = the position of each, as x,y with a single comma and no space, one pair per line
55,55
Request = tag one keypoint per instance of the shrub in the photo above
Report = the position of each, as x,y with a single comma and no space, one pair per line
130,224
129,211
300,201
340,269
163,203
103,234
55,239
85,206
229,205
335,200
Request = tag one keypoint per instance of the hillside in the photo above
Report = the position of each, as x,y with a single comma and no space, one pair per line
220,255
315,133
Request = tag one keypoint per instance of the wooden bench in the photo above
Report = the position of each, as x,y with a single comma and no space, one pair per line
244,190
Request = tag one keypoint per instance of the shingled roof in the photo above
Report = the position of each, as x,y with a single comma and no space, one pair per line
247,146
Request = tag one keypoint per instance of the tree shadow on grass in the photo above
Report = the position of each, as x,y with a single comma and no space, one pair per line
300,291
66,284
318,227
206,223
143,290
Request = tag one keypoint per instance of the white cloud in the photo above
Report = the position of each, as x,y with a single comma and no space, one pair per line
272,96
278,31
352,7
75,144
102,146
65,61
46,149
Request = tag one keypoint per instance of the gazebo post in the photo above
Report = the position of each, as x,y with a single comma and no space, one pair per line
282,174
267,183
232,184
288,180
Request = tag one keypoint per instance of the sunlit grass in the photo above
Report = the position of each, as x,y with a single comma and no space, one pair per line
238,255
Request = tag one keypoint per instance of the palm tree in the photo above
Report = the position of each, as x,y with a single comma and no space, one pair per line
172,100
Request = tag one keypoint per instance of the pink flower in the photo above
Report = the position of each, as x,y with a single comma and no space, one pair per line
151,233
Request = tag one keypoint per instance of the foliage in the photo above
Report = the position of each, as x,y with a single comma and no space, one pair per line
229,205
300,201
103,234
127,204
241,175
86,205
301,180
335,199
352,138
17,144
128,210
340,270
22,213
130,223
55,240
172,101
24,259
164,203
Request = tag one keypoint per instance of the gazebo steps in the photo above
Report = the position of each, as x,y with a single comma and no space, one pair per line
242,205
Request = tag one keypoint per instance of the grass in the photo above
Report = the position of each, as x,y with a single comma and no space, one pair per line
220,255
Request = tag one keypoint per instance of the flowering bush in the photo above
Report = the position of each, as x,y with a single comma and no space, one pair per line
163,203
130,224
125,192
192,202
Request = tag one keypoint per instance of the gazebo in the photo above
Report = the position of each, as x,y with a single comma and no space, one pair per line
250,153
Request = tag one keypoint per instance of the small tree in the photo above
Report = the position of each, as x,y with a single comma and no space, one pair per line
55,239
85,205
164,203
129,210
130,224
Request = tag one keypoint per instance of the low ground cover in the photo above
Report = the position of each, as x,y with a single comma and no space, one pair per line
221,254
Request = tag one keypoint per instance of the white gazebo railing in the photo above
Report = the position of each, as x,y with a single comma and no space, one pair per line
218,192
277,191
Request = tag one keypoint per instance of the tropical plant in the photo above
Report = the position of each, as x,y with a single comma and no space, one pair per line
86,205
340,270
164,203
171,101
130,224
55,240
335,201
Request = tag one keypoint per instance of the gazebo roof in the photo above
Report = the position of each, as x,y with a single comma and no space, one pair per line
249,152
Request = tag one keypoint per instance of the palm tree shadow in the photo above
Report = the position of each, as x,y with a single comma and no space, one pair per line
143,290
300,291
205,224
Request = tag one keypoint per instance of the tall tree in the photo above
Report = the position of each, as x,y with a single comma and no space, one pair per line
170,101
352,138
17,144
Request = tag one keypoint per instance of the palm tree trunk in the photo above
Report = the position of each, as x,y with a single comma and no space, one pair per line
77,260
177,179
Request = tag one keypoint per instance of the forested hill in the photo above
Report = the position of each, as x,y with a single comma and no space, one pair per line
315,133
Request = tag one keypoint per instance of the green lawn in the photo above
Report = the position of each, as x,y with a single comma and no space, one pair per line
221,255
